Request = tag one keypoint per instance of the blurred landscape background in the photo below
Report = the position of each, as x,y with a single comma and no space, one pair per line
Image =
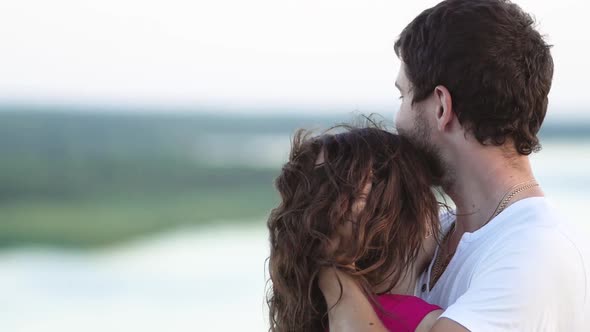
90,179
139,142
85,180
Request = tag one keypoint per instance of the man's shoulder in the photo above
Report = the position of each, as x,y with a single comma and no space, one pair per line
536,236
532,236
533,220
537,239
536,219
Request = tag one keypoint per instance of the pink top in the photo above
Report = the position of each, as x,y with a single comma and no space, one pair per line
403,313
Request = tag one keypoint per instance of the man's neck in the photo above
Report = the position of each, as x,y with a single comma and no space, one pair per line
481,182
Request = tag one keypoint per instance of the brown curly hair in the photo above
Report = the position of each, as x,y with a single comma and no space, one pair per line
316,200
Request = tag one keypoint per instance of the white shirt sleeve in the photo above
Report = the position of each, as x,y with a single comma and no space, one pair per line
527,284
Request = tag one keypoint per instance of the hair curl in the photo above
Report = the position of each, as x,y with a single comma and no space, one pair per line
316,200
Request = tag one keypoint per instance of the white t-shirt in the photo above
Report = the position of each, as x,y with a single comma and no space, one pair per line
523,271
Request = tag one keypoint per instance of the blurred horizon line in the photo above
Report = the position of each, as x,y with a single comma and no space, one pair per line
562,114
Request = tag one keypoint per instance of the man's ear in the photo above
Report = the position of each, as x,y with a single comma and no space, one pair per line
444,103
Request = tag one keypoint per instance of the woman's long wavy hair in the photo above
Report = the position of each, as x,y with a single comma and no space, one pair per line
316,200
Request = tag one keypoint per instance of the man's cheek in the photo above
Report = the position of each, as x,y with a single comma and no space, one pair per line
401,121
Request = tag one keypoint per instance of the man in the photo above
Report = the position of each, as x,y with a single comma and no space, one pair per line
474,81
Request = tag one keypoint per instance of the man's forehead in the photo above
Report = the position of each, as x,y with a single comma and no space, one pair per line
401,73
402,80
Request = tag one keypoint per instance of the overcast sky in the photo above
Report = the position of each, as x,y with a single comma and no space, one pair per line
258,54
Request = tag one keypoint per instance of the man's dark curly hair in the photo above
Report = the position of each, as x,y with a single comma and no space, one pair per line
496,66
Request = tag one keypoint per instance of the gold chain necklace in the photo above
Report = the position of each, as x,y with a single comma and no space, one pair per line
441,263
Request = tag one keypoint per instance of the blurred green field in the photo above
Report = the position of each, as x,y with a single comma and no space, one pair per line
87,178
105,220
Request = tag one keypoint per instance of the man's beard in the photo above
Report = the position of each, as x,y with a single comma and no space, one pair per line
420,137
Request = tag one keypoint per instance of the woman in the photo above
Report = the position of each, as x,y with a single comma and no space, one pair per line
359,202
